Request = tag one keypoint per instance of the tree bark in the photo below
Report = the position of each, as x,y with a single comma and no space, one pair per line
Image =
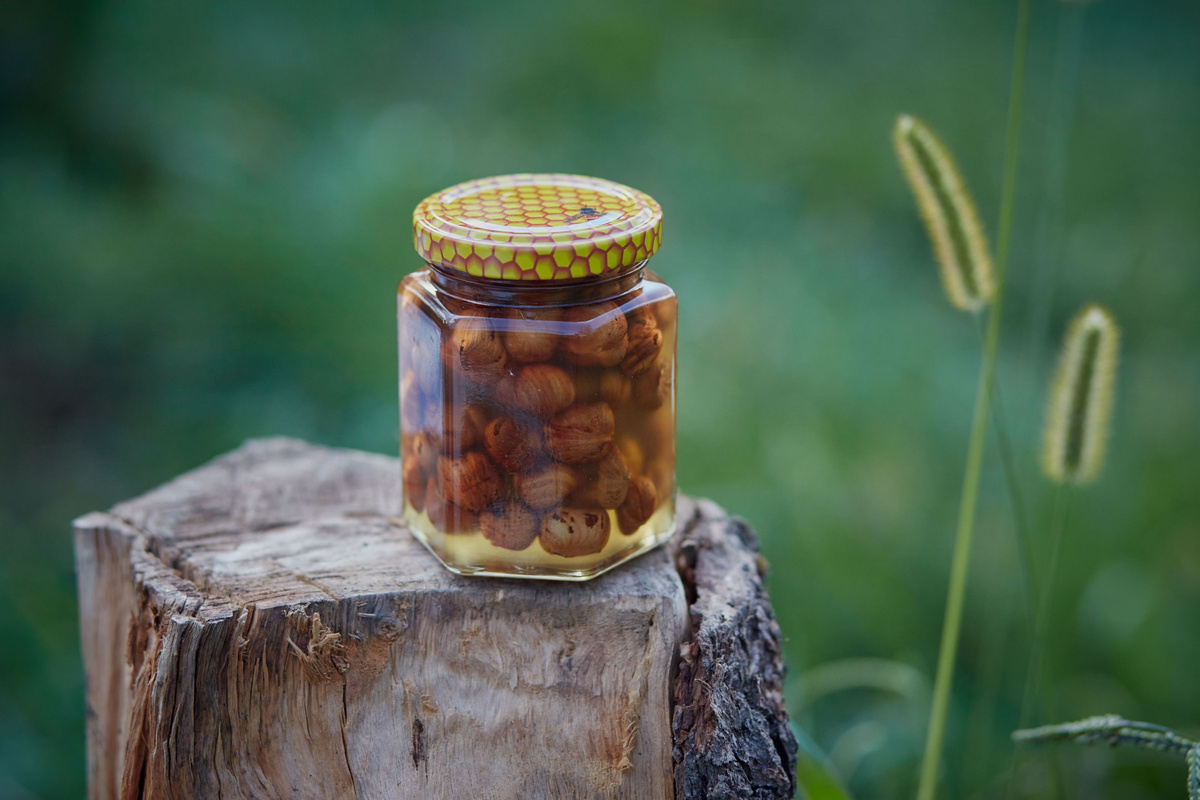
264,627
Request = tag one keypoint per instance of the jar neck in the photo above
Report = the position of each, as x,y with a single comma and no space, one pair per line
488,291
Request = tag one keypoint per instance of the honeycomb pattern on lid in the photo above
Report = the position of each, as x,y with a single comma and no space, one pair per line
537,227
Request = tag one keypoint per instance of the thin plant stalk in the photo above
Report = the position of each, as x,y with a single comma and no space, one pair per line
1016,499
1048,234
952,625
993,645
1035,671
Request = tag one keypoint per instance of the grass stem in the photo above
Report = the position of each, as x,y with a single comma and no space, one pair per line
1035,675
1048,232
1016,499
952,625
994,644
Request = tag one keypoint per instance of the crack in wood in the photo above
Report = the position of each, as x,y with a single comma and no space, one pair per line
222,656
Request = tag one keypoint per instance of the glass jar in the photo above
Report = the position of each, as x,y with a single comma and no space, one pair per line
537,373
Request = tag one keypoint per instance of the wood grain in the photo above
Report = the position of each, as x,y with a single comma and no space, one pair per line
263,627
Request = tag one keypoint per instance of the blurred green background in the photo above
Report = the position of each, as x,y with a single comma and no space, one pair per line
205,209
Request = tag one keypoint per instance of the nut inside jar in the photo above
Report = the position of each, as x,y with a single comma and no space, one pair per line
539,440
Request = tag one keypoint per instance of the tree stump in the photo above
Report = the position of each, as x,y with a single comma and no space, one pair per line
264,627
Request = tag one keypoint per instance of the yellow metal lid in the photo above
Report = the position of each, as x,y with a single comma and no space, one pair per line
540,227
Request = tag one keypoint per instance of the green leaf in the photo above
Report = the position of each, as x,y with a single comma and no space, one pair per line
814,772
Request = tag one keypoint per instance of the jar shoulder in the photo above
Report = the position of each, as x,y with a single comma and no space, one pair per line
518,307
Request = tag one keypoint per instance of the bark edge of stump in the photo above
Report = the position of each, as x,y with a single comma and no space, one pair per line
262,626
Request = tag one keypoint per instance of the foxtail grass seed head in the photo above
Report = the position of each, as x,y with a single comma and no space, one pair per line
1077,417
949,214
1193,762
1109,729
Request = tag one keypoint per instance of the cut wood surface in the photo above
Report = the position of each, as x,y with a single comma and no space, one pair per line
264,627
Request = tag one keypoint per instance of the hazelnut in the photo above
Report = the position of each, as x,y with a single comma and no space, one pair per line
543,389
642,315
609,357
513,445
475,349
531,343
546,487
580,433
600,336
631,451
666,311
605,358
606,483
414,481
472,422
587,384
425,450
461,426
471,481
419,340
640,501
446,516
645,343
412,404
570,532
424,363
602,383
615,388
513,527
651,387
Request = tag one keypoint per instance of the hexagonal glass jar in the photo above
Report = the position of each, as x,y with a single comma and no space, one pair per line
537,404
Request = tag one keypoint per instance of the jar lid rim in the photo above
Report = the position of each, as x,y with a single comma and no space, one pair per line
537,226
